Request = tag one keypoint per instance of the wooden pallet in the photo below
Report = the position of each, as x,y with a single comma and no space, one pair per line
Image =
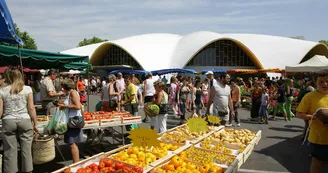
130,120
110,122
91,123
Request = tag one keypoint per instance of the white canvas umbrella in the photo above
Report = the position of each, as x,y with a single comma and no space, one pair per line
316,63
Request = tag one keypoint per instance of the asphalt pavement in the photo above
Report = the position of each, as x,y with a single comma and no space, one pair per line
278,151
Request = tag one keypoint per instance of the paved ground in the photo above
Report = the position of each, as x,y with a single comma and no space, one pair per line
279,150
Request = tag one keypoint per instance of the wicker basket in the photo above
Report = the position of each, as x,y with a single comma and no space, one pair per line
43,150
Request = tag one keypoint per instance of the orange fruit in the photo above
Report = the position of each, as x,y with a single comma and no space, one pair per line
168,167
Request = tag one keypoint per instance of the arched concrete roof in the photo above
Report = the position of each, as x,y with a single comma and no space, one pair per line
161,51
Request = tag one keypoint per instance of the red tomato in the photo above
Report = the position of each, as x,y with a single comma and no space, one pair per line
108,162
137,169
88,170
119,165
80,170
101,164
126,169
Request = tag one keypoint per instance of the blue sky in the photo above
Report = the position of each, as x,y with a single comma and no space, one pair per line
58,25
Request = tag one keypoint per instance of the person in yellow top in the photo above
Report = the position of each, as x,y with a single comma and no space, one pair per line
318,130
129,101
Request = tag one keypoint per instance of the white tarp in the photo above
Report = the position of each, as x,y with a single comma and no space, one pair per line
316,63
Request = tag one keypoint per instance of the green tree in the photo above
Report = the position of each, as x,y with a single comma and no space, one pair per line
92,40
29,42
324,42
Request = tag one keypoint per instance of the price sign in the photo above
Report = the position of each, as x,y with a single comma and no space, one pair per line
213,119
144,137
197,124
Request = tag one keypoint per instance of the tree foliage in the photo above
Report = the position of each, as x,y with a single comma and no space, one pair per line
324,42
92,40
29,42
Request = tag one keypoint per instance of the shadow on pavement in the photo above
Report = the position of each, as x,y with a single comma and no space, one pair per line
294,126
290,154
277,137
284,129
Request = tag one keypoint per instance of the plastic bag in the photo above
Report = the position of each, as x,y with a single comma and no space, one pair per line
49,129
61,122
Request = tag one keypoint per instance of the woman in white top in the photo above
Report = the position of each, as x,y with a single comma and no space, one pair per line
73,104
161,99
173,96
18,119
105,96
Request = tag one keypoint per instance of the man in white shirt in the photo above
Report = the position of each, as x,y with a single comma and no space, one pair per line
120,82
220,96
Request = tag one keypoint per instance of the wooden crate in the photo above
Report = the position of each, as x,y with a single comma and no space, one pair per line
257,138
91,123
233,168
131,120
110,122
247,152
85,162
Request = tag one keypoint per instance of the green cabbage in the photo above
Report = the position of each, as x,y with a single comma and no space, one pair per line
153,108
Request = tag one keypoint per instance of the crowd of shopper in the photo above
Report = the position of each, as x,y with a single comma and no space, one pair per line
217,95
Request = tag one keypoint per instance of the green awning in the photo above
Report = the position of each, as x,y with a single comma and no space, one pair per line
36,59
78,66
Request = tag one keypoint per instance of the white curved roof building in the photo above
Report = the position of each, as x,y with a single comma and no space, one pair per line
201,50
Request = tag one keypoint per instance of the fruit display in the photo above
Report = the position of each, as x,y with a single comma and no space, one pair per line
216,152
218,147
179,164
174,137
143,156
205,157
239,138
107,166
184,131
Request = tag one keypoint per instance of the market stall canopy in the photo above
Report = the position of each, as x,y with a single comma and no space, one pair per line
7,28
316,63
141,72
26,70
78,66
173,70
36,59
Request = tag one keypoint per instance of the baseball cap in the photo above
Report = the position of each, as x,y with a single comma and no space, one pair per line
209,72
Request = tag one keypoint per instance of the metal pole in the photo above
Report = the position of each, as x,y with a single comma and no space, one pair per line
20,59
88,97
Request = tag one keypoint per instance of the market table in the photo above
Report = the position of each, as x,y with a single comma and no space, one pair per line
239,155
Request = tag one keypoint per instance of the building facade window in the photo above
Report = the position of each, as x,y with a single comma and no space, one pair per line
221,53
117,56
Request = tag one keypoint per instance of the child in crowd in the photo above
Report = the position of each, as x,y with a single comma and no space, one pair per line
264,106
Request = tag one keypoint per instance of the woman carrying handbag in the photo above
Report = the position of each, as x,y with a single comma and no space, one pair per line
75,117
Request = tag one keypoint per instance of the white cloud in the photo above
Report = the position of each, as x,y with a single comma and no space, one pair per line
61,24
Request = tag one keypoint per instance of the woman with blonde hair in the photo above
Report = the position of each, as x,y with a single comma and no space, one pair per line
161,99
73,105
18,121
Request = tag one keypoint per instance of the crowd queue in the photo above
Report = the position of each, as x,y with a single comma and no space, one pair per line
217,95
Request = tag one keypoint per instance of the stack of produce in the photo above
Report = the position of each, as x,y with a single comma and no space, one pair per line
143,156
180,164
240,138
107,165
205,157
